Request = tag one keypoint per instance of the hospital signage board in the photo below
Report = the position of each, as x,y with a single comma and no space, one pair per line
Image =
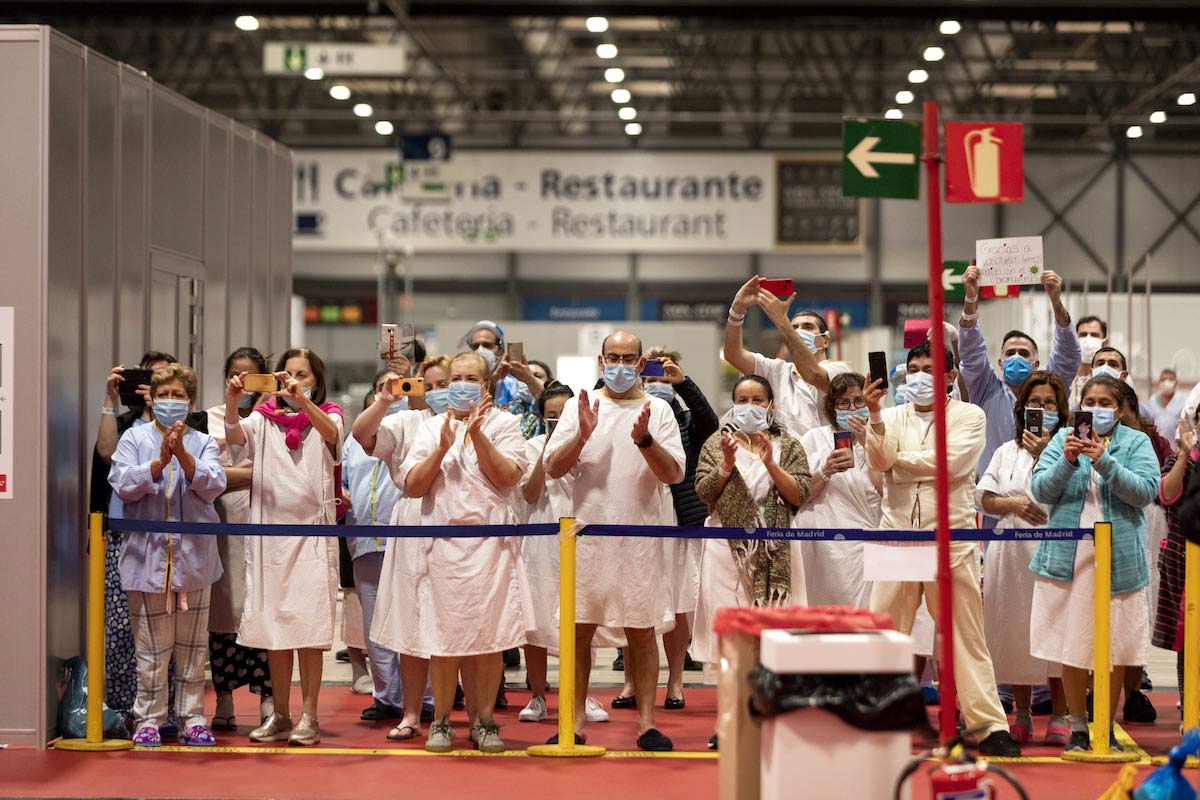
879,158
540,201
335,58
985,162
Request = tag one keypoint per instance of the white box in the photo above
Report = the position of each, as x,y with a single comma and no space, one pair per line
813,754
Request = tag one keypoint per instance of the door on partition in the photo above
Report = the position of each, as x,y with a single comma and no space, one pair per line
177,315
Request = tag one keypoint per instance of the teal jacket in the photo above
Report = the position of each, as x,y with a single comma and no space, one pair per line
1129,474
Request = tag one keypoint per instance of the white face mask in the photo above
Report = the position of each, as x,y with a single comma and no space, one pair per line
919,388
750,419
1088,347
488,355
1105,369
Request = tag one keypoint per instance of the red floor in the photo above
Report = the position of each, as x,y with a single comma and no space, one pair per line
300,774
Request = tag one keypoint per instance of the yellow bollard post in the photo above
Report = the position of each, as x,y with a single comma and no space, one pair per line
95,740
566,747
1102,655
1191,640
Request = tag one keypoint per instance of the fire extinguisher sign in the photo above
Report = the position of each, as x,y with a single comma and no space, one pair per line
985,162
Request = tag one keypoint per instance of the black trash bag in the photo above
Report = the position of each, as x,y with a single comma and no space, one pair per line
869,702
72,709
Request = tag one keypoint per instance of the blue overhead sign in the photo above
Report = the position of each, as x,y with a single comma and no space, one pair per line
570,309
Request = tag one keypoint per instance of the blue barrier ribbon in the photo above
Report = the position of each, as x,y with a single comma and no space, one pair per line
550,529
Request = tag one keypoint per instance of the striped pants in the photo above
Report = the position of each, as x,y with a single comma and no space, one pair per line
157,637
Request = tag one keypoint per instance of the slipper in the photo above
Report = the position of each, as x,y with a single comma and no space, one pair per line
402,732
654,741
197,736
228,723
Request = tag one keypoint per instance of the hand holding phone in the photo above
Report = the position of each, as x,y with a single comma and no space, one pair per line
516,352
877,361
1034,421
1083,425
262,384
780,287
653,369
408,387
135,383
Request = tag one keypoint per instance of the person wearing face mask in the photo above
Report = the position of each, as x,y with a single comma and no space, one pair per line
120,666
385,437
1004,493
845,493
752,474
231,664
800,384
900,444
1111,476
165,471
1166,404
994,393
462,470
623,449
1092,333
294,442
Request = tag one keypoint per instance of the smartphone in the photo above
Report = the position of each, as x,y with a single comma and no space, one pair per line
653,369
516,352
1033,421
408,387
915,332
396,340
780,287
131,379
877,361
263,384
844,440
1083,424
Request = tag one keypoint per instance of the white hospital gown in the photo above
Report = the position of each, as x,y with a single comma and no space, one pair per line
833,570
540,553
1007,580
291,581
798,403
225,608
471,593
623,582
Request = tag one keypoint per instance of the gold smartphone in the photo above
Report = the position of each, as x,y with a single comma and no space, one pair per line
408,387
263,384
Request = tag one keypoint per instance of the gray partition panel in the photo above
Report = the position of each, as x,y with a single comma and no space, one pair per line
133,245
100,225
176,173
239,242
260,243
281,249
216,260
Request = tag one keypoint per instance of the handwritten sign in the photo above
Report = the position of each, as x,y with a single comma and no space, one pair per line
1015,260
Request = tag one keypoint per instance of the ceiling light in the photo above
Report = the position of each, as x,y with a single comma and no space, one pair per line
606,50
633,128
597,24
949,27
934,53
893,113
339,92
621,96
314,73
384,128
904,97
627,113
247,22
1158,116
614,74
918,76
1133,132
1187,99
363,110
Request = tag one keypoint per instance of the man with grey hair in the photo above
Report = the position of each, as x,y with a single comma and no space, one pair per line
624,450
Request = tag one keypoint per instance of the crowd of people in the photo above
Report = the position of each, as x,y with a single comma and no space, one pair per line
493,439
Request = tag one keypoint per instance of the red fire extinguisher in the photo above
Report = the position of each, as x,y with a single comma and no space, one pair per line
957,775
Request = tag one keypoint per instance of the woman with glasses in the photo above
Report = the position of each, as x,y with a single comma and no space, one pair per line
1004,492
844,493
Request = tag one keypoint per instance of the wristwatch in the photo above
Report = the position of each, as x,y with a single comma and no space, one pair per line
646,442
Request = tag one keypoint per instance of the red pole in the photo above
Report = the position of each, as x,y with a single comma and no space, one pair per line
931,158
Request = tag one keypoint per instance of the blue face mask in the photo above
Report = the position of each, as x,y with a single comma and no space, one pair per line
168,412
292,404
901,395
1103,419
1050,420
843,417
1016,370
620,378
809,338
438,400
247,401
462,394
524,394
398,405
749,418
663,391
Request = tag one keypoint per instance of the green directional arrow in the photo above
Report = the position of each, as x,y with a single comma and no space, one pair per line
295,57
879,158
952,279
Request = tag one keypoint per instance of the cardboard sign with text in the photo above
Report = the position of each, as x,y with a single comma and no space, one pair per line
1017,259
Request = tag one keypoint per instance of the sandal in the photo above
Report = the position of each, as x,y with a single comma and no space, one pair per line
147,736
402,732
197,736
228,723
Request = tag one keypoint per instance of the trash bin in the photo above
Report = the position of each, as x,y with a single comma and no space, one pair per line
809,749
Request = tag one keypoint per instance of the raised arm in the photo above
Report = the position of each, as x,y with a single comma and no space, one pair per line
735,351
881,449
805,362
576,428
106,435
366,424
1064,349
978,376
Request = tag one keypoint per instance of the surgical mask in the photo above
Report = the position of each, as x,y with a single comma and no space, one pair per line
620,378
1167,386
524,394
462,394
663,391
809,338
1105,369
247,401
1103,419
1050,420
749,418
843,417
1017,369
168,412
438,400
292,404
901,394
920,388
1088,347
488,355
399,405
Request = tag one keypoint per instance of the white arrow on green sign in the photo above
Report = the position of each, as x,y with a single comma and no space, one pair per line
952,279
879,158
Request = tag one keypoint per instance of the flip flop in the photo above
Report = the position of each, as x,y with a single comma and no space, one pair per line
228,723
399,734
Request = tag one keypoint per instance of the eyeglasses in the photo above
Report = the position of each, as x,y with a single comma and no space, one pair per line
612,359
847,405
1050,406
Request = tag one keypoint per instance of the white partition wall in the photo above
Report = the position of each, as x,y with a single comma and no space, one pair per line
132,219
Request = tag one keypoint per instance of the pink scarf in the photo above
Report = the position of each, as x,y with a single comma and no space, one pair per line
295,424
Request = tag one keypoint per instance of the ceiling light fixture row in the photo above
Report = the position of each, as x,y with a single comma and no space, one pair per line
620,95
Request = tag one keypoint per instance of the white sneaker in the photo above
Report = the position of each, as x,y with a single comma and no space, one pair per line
594,712
535,711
